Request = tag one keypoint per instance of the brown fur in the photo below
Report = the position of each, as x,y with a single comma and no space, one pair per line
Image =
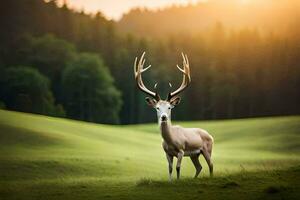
187,141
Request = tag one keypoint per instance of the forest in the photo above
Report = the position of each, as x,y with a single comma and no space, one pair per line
58,61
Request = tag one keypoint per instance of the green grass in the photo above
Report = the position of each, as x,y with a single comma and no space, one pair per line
51,158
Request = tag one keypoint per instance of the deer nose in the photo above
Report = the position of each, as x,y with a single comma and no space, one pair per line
163,118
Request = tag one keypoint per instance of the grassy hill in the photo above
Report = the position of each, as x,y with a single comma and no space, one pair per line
51,158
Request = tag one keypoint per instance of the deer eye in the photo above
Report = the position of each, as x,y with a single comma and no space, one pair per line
157,108
169,108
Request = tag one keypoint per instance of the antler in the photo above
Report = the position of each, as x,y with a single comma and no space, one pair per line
186,77
138,70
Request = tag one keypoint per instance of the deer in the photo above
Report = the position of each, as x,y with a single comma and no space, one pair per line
177,141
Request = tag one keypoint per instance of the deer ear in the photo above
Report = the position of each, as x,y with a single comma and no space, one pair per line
175,101
151,102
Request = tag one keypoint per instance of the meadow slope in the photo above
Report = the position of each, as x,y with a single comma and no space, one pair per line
50,158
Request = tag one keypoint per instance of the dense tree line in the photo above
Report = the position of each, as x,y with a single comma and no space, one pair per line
61,62
267,15
81,85
25,89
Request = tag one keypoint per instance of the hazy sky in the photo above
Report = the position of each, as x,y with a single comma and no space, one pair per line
114,9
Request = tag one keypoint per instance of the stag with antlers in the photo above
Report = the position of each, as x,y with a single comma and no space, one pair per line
177,141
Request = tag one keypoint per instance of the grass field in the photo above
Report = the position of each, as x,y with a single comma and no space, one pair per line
51,158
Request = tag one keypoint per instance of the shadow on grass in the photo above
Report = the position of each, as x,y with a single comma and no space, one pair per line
264,182
220,182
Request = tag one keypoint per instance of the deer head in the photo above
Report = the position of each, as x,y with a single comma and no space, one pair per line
163,107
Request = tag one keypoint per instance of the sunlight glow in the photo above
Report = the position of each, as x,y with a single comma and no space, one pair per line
244,2
114,9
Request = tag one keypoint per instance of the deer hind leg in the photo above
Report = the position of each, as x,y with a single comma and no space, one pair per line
179,158
195,160
170,161
207,157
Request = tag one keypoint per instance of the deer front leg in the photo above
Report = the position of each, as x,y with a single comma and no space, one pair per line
179,158
170,161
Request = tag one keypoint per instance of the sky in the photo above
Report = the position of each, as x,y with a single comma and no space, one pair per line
113,9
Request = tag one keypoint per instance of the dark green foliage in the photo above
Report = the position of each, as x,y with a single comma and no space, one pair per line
2,105
236,73
25,89
88,90
50,54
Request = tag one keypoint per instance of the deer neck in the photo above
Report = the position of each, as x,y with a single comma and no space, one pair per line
165,129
